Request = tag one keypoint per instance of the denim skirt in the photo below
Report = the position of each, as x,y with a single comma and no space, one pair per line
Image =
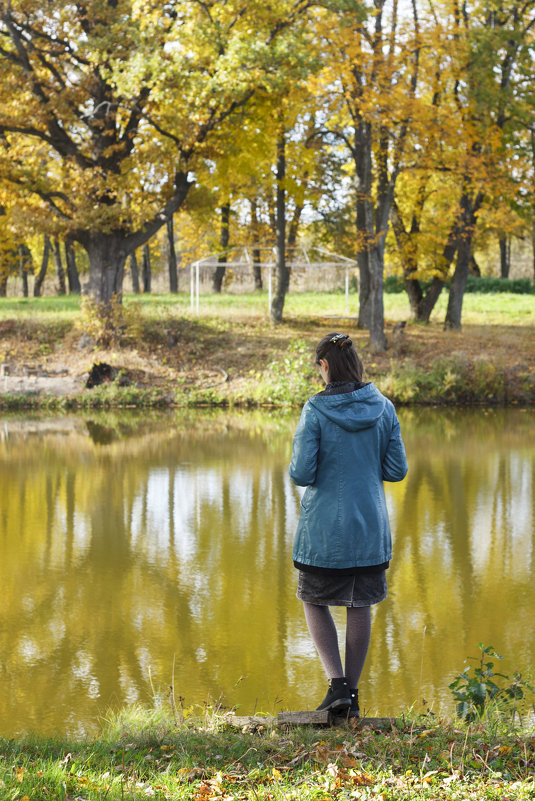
323,589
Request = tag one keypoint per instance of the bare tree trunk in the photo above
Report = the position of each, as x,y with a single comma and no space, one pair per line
371,232
73,278
219,274
38,283
505,256
469,207
146,269
25,262
282,272
3,283
257,259
458,284
363,177
134,270
172,260
107,256
60,272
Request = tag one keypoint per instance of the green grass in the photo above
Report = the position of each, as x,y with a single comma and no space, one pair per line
478,309
186,755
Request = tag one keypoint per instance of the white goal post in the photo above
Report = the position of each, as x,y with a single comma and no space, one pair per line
296,257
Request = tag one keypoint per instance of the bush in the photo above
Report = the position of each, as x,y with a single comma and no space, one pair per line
394,284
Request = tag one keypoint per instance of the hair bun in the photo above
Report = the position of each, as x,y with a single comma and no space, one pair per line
346,343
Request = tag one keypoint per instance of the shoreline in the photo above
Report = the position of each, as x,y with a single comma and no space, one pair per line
233,356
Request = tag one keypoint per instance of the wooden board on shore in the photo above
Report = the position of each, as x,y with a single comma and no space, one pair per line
307,718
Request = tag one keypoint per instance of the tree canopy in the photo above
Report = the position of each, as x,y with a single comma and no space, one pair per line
404,130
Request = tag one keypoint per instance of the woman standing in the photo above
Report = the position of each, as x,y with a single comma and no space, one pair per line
347,443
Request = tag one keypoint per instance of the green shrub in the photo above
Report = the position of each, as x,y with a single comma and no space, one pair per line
288,381
394,284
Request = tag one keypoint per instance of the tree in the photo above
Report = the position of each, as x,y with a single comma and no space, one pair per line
108,107
369,87
464,165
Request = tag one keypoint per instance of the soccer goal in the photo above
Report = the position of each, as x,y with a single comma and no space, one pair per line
242,262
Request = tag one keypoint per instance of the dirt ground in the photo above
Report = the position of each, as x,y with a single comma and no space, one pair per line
203,353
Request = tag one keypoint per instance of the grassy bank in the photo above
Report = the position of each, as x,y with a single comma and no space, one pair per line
230,353
153,754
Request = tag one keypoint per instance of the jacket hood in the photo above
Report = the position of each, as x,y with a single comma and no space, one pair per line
352,411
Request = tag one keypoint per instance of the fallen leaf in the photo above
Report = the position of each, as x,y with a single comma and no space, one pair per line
363,779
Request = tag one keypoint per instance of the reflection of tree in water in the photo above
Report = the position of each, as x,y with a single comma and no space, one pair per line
178,547
123,600
452,573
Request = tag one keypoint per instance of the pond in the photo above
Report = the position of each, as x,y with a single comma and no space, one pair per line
146,551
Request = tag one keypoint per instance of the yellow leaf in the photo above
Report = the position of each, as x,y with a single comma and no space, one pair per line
363,780
19,774
276,774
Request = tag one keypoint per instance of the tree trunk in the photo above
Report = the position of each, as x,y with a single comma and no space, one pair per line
3,284
257,259
172,260
474,266
505,256
294,226
107,256
146,269
134,270
219,274
468,211
433,292
371,232
24,264
362,156
377,327
429,300
38,283
458,284
72,271
282,272
60,272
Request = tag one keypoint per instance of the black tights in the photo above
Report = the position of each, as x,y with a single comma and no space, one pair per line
323,631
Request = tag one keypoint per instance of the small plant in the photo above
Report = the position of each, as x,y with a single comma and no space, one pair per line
475,691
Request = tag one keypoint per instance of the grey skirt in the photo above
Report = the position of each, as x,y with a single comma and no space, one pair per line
363,589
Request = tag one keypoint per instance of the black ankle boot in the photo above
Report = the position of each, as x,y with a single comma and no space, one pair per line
338,698
354,711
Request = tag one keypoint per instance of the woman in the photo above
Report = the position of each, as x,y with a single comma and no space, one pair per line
347,443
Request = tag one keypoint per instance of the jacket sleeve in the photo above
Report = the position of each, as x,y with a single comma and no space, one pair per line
395,461
305,448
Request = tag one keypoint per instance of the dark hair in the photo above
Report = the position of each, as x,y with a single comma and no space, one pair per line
342,358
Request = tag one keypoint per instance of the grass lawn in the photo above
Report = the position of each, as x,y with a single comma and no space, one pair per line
152,754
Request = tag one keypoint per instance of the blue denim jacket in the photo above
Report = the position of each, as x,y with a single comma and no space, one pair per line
344,447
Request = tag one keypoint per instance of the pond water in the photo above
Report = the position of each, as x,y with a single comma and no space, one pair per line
140,551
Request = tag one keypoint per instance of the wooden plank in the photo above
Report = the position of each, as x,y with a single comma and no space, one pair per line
358,723
250,721
314,717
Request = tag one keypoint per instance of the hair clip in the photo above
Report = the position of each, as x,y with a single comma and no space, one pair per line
338,337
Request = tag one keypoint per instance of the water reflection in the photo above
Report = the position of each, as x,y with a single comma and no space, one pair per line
139,551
